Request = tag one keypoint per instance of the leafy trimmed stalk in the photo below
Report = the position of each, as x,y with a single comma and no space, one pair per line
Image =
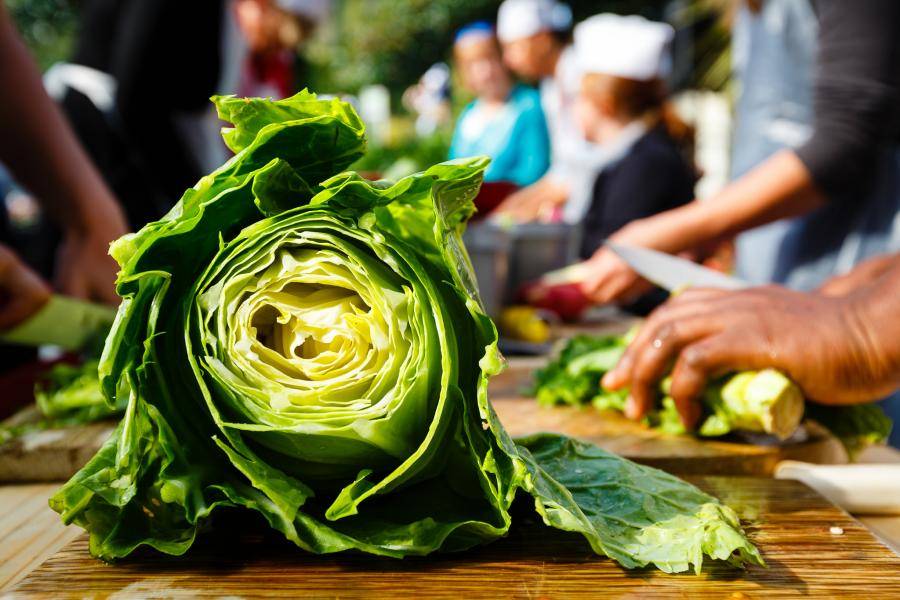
763,401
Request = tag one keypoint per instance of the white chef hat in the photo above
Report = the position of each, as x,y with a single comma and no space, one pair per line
314,10
519,19
630,47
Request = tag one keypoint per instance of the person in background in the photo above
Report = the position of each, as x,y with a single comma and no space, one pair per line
535,41
139,72
624,107
429,99
840,345
505,121
41,152
842,186
773,51
273,31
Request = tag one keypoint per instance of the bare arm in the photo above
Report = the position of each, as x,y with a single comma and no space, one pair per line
41,150
780,187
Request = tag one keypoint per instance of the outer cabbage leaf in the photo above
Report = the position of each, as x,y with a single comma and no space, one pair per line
635,514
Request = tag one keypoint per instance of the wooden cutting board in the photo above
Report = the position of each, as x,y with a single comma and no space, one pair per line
811,548
51,454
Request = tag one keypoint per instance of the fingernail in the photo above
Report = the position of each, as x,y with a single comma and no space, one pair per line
610,380
690,420
631,408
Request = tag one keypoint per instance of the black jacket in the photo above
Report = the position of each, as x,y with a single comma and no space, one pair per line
651,178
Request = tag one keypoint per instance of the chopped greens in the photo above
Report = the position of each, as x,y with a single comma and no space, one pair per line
757,401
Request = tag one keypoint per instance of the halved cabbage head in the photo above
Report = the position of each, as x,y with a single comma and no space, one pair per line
312,347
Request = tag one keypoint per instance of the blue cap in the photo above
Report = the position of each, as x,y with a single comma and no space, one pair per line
481,29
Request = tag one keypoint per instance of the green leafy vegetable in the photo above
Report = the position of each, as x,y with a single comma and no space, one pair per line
70,394
311,346
856,426
574,377
756,401
633,513
66,395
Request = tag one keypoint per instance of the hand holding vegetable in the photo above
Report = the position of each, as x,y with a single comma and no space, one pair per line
838,350
22,291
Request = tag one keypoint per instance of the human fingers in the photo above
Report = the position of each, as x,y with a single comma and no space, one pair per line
653,360
732,350
24,292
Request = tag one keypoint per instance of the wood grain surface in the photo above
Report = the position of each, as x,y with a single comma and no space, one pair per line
29,530
789,522
51,454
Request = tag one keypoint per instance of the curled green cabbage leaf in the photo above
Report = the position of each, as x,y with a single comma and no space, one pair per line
309,345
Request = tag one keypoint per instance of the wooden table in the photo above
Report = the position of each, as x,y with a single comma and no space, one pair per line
29,531
791,524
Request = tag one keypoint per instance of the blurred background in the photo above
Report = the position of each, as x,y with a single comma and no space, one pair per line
146,116
370,48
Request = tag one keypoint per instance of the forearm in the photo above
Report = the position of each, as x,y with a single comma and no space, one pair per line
41,150
779,188
854,92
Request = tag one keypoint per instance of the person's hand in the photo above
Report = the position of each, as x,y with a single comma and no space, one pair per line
84,268
537,202
831,347
609,278
865,273
22,291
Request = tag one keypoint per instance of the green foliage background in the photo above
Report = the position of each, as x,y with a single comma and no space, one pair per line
47,26
393,42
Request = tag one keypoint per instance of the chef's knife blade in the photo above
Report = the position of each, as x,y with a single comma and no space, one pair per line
673,273
64,322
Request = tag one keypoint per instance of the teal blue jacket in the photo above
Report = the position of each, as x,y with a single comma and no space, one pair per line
515,138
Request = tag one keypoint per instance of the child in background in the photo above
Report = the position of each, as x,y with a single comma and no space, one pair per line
624,106
505,121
